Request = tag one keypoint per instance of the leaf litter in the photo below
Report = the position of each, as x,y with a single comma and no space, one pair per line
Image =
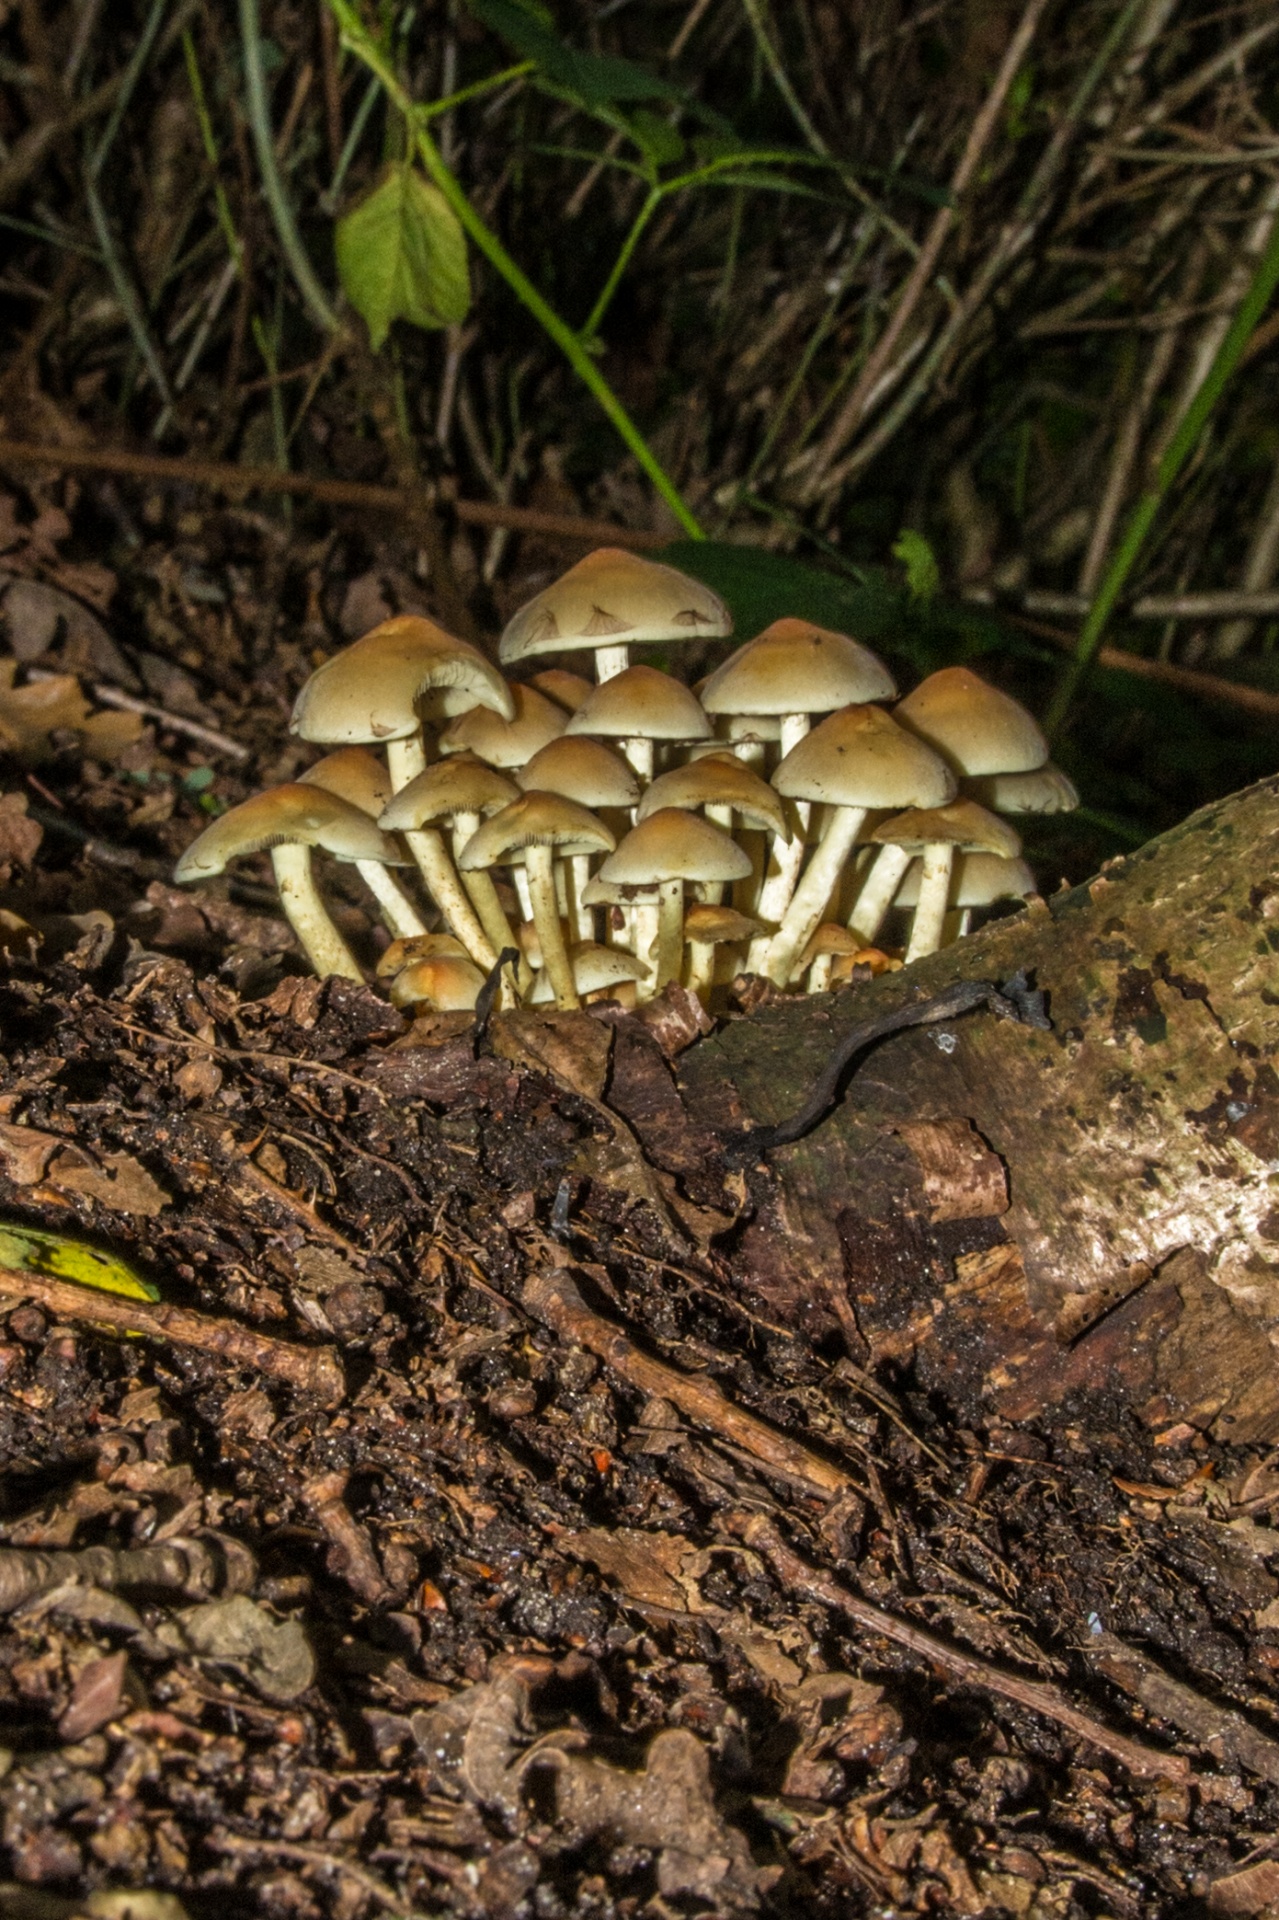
458,1536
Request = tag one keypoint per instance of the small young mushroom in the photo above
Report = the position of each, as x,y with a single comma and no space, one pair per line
290,820
854,761
707,929
637,707
359,776
567,690
596,970
608,602
659,855
830,941
938,833
448,982
979,880
592,774
417,946
1044,789
722,786
507,741
540,824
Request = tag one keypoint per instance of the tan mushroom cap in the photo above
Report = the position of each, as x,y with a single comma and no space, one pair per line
354,773
641,704
979,880
461,784
613,597
378,688
1045,789
976,727
594,969
418,946
718,781
716,926
567,690
538,820
830,938
796,667
511,741
584,770
290,815
446,981
860,757
674,845
961,823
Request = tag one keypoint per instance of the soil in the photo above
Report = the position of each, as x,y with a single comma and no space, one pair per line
493,1629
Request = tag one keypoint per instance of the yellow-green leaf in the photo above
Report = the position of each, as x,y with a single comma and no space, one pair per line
401,255
31,1250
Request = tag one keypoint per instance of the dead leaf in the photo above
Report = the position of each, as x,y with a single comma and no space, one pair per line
120,1182
646,1565
272,1655
1252,1890
99,1690
25,1153
20,835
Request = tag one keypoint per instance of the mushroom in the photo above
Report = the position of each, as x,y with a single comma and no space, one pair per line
706,928
1044,789
538,824
638,706
290,820
608,602
417,946
359,776
974,726
592,774
459,790
507,740
979,880
721,785
788,673
829,941
854,761
658,856
937,832
449,982
596,970
567,690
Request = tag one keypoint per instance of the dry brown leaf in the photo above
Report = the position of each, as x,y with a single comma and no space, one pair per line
25,1153
30,714
646,1565
120,1182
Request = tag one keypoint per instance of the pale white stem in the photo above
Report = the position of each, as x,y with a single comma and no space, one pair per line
398,911
819,973
808,904
934,888
582,919
489,910
781,876
539,864
561,889
610,661
795,726
640,755
428,849
645,931
520,881
878,889
670,932
405,759
699,976
963,925
308,916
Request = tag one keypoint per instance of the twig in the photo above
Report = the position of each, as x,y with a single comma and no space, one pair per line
1203,686
313,1369
1166,606
225,476
1220,1731
175,722
1259,571
554,1299
1145,1763
190,1566
325,1497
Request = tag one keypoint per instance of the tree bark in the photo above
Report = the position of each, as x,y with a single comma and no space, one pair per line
1028,1216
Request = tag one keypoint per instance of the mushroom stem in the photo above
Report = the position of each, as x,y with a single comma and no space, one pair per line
670,933
819,973
610,661
934,889
878,888
582,918
699,976
306,913
539,866
398,911
405,759
428,849
821,876
644,930
965,923
490,912
640,754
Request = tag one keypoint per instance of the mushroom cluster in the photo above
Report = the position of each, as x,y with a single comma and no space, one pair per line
625,832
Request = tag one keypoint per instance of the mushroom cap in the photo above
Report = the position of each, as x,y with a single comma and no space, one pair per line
712,926
461,784
535,820
829,938
567,690
755,729
291,815
507,740
417,946
859,757
795,667
594,968
356,775
641,704
613,597
377,688
976,727
978,880
674,845
449,982
1044,789
718,781
961,823
584,770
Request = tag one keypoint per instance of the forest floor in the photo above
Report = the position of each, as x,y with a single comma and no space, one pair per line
412,1586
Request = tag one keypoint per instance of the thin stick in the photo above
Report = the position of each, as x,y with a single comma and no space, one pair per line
554,1299
225,476
1204,686
314,1369
175,722
1144,1763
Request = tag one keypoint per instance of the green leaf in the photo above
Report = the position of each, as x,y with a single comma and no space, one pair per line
923,575
402,255
31,1250
596,80
656,138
